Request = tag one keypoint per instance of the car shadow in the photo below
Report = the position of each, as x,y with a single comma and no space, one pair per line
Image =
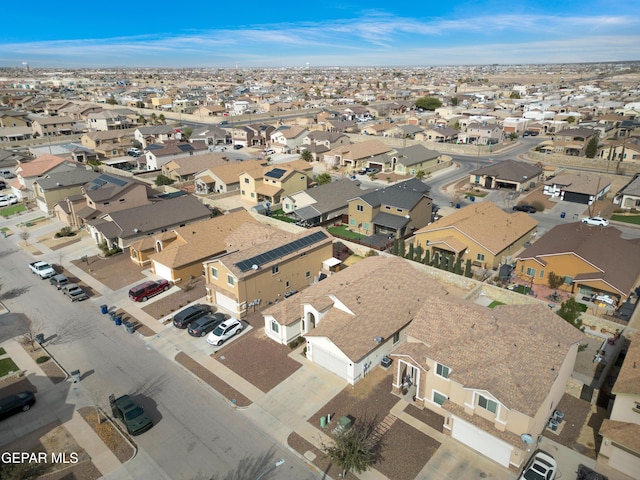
150,407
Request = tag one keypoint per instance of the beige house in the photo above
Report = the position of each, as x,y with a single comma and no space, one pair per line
265,265
52,188
52,126
495,375
371,153
271,183
108,143
224,178
177,255
620,446
28,172
184,169
481,232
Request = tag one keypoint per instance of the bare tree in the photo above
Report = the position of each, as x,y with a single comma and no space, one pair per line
34,328
24,235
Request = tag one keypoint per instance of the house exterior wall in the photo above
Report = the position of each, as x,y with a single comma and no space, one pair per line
626,408
281,333
178,274
401,169
360,220
47,199
133,197
140,257
248,186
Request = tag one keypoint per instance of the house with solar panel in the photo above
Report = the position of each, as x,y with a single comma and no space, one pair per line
272,183
264,265
158,154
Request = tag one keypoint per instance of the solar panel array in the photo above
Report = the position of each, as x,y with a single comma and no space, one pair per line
185,147
266,257
103,180
275,173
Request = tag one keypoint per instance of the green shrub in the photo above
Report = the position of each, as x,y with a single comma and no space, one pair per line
295,342
42,359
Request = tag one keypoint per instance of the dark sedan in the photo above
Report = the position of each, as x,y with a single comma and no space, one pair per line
194,312
202,326
525,208
20,402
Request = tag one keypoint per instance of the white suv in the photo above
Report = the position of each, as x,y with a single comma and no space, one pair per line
224,331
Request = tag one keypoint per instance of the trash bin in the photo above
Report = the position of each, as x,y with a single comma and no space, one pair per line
323,422
104,309
129,327
563,214
40,338
4,234
75,375
118,319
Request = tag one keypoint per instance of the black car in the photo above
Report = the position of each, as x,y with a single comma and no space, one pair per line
238,147
202,326
194,312
525,208
20,402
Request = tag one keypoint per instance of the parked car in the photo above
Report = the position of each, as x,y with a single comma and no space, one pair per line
19,402
596,221
146,290
8,199
2,185
542,466
224,331
238,147
59,281
74,292
525,208
585,473
131,413
202,326
183,318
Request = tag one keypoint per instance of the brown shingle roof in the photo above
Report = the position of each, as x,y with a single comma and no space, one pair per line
628,381
361,150
622,433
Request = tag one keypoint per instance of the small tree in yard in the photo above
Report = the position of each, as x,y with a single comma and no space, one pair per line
570,311
306,155
403,249
418,256
468,271
426,257
410,254
554,280
323,178
353,451
163,180
592,147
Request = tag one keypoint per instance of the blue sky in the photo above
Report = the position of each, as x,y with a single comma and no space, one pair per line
290,34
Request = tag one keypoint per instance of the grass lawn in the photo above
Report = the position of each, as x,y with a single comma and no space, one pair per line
634,219
280,215
475,194
523,289
495,303
18,207
7,365
343,232
582,307
2,351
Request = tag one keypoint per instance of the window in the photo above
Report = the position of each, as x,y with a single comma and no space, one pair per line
442,371
243,192
531,272
439,398
541,273
568,280
352,222
230,280
360,208
214,272
275,269
122,200
396,337
367,226
286,284
253,195
399,210
307,275
487,404
274,326
246,180
480,257
105,203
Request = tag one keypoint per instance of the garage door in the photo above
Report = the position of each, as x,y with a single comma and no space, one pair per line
482,442
162,271
625,462
330,362
576,198
227,303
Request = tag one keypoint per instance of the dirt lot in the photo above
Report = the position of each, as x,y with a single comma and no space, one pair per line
108,433
189,292
253,355
579,429
115,272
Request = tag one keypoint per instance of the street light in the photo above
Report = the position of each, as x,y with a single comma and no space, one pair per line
278,463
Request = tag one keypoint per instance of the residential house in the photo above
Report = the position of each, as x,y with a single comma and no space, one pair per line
55,187
113,119
493,375
154,134
323,203
592,261
342,126
573,141
355,317
184,169
158,154
286,139
413,159
177,255
481,133
381,129
272,183
370,153
403,131
210,135
80,112
620,445
481,232
12,118
509,174
394,211
318,142
109,143
13,134
52,126
629,196
265,265
27,173
582,187
224,178
357,113
104,194
254,135
621,150
123,227
54,107
209,111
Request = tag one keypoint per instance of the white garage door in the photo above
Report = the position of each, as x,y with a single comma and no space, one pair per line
625,462
481,441
227,303
163,271
327,360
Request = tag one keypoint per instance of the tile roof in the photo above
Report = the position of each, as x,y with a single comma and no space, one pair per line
200,240
602,247
513,351
382,293
361,150
190,165
404,195
41,165
581,182
622,433
633,187
486,224
628,381
229,173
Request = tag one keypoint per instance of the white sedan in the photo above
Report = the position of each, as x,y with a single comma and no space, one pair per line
8,199
542,466
596,221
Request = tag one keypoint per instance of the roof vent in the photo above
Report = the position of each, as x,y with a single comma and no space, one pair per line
379,339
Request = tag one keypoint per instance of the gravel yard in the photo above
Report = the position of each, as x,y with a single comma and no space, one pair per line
174,302
115,272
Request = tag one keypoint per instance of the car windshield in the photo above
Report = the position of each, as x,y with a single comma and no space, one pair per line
218,331
535,473
133,413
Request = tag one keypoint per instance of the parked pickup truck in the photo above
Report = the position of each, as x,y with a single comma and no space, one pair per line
42,269
59,281
131,413
74,292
